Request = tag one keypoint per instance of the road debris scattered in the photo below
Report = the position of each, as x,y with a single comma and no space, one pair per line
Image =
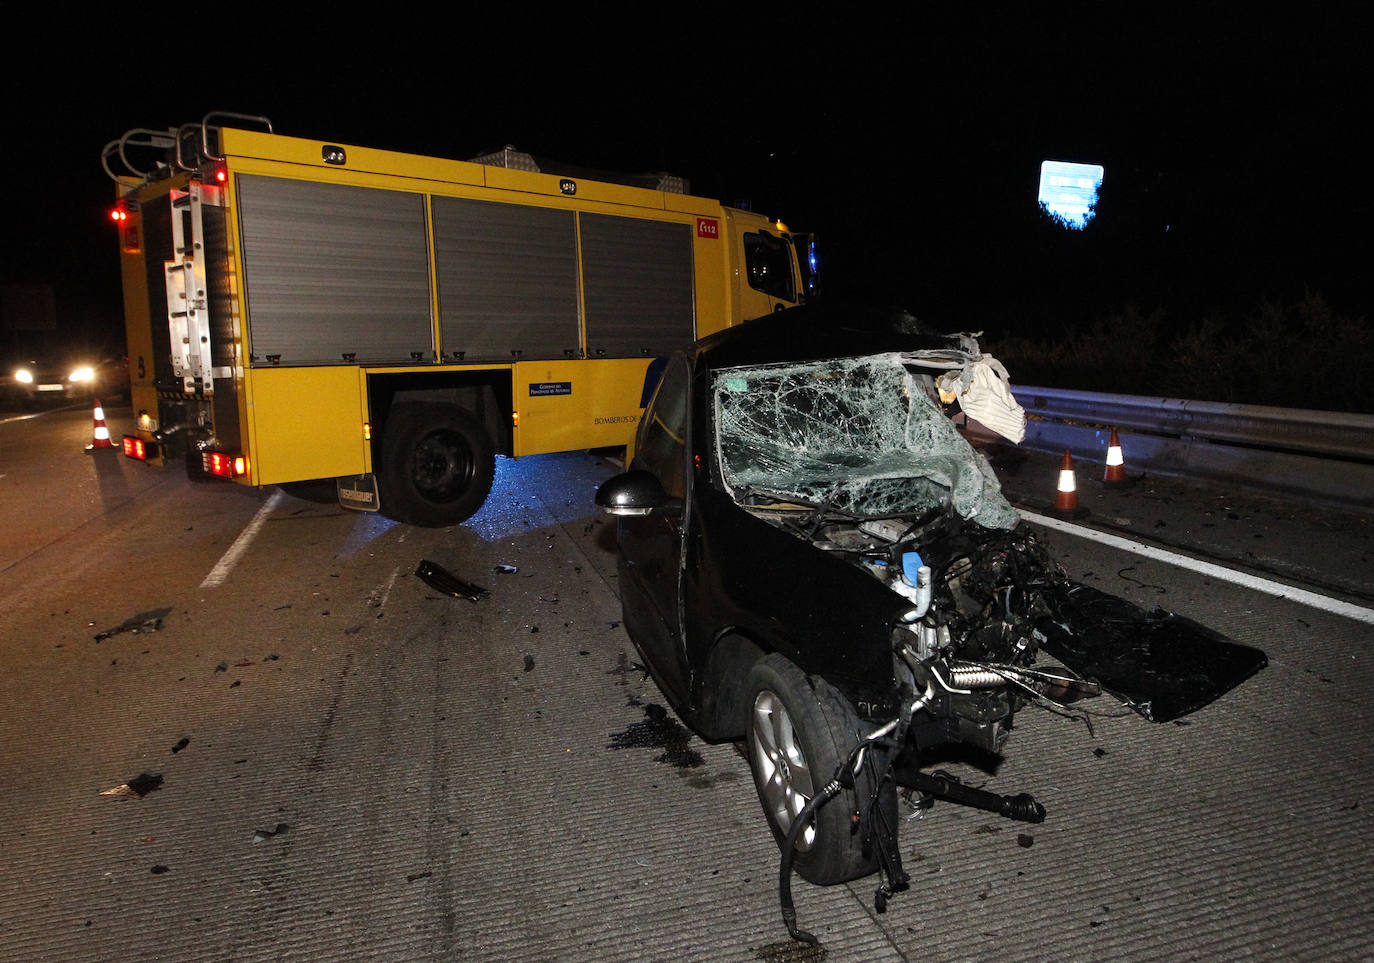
138,787
623,667
261,834
150,621
180,746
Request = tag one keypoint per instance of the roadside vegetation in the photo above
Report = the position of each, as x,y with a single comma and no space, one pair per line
1303,354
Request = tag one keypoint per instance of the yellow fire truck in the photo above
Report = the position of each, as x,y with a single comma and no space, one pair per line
302,310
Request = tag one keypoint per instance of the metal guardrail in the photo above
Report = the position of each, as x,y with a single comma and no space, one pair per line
1330,434
1322,455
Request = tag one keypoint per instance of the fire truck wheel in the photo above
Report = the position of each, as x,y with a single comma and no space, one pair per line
437,465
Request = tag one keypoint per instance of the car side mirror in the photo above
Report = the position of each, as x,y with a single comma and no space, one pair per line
636,493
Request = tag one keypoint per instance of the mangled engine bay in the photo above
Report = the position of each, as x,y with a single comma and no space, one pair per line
859,458
856,457
971,637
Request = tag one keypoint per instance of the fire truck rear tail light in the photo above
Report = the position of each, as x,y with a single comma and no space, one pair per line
138,448
224,464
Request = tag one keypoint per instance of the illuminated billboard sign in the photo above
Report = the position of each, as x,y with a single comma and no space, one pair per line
1068,192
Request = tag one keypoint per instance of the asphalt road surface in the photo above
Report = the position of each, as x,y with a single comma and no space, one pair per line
341,764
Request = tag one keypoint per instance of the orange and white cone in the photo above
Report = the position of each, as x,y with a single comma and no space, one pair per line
100,436
1116,465
1066,497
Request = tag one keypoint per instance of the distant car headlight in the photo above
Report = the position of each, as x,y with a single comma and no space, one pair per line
81,374
24,376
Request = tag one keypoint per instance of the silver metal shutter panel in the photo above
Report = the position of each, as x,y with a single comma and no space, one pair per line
332,270
638,285
507,277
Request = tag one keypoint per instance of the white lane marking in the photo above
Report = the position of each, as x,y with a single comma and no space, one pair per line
230,558
380,594
1264,585
37,414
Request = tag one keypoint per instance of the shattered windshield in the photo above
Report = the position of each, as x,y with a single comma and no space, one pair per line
859,435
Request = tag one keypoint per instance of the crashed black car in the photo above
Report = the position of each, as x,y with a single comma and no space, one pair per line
814,560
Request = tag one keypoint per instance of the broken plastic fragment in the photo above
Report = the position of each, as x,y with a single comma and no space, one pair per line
180,746
138,787
149,621
261,834
506,569
444,581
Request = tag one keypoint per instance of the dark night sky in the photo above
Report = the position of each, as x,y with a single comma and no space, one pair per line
909,142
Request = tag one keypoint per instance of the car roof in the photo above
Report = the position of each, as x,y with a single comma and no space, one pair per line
817,332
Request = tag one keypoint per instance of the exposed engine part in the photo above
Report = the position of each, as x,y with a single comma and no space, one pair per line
915,585
1022,806
956,572
890,530
975,677
923,640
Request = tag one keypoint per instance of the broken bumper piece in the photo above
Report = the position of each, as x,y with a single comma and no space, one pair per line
1160,664
441,580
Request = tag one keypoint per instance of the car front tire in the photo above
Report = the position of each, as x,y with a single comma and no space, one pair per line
799,732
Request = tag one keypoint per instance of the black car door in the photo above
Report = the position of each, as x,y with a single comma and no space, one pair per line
651,545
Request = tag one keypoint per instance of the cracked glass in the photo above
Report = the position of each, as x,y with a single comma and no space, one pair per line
859,435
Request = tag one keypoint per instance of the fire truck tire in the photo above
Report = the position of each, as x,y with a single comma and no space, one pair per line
437,464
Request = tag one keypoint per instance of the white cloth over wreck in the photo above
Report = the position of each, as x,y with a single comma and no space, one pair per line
983,390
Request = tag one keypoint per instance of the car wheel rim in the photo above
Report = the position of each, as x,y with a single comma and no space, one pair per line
780,767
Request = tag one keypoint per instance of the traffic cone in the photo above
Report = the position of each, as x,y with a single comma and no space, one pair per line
1115,474
1066,497
100,433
